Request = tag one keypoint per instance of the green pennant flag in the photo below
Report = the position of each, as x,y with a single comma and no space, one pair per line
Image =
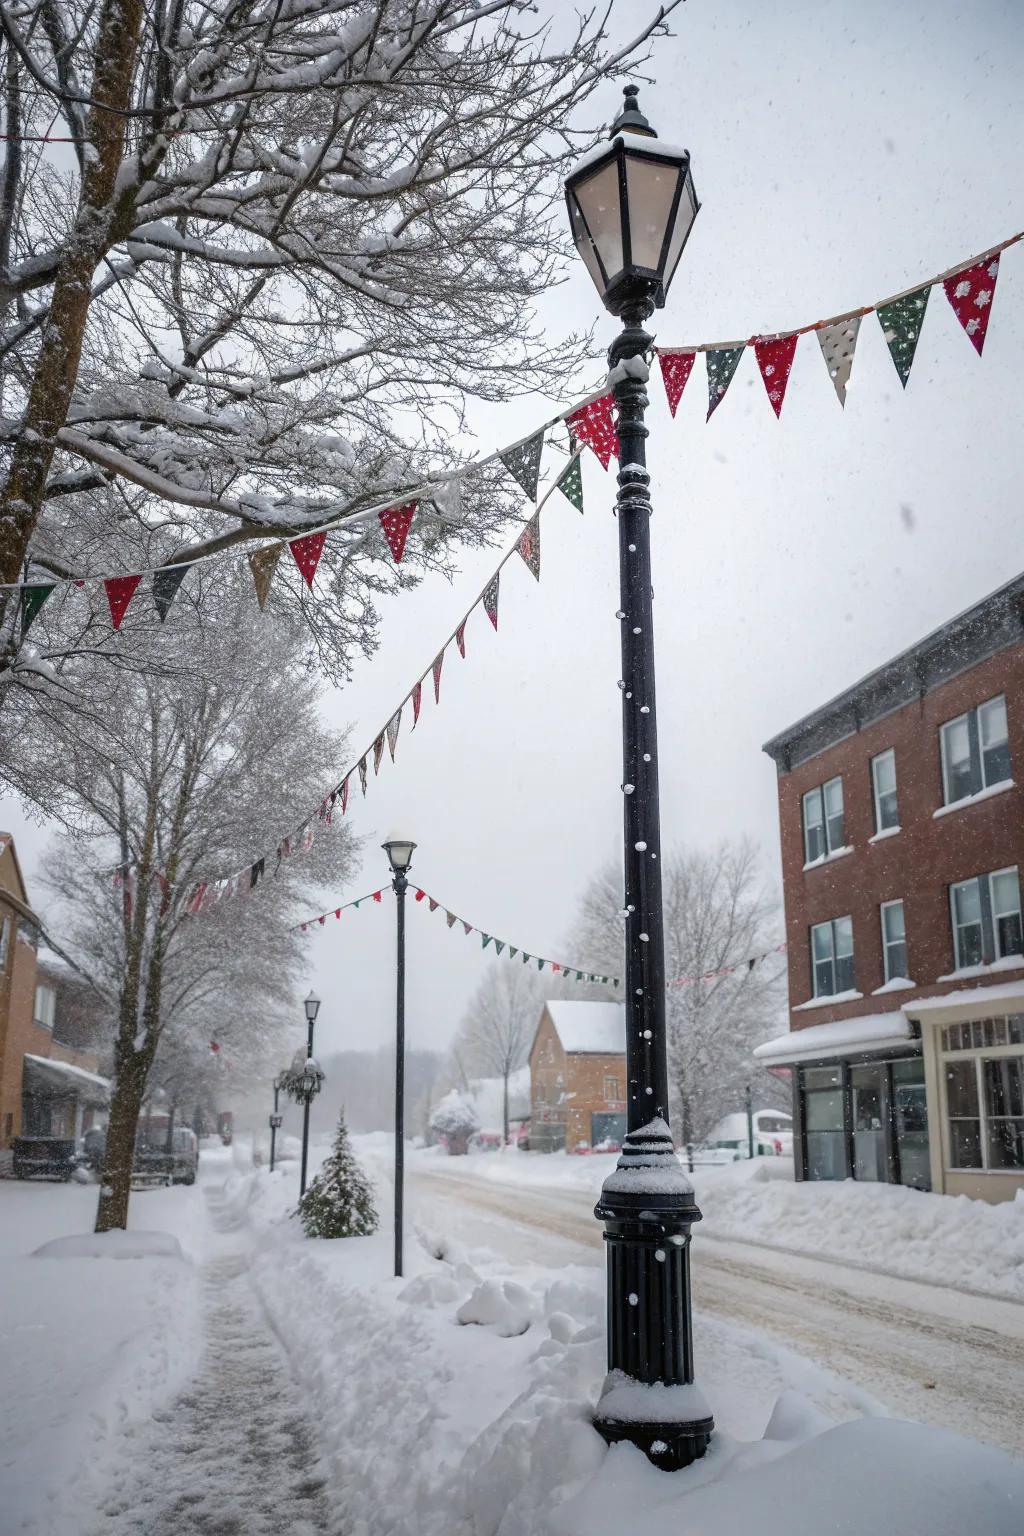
570,483
540,965
579,975
166,582
32,599
525,957
523,463
512,952
485,939
721,365
901,326
499,945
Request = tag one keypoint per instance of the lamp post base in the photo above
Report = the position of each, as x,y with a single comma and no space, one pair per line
649,1396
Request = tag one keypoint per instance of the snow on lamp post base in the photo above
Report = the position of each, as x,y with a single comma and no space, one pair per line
649,1396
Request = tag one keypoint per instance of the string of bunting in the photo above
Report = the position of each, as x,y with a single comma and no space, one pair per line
970,288
525,467
312,922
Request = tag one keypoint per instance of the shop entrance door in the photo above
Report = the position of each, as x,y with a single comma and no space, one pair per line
870,1103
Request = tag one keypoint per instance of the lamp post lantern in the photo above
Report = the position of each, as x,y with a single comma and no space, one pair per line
399,851
631,208
275,1119
312,1007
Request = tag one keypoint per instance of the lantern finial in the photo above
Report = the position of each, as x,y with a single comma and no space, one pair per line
631,119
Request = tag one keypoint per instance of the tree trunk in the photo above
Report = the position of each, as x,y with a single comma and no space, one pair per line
119,1156
504,1086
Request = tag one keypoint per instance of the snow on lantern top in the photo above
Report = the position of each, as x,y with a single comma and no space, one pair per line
631,209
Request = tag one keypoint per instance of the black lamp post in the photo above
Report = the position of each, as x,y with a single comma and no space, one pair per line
275,1119
399,851
312,1007
631,208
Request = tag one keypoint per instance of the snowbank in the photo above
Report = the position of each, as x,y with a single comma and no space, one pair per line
112,1245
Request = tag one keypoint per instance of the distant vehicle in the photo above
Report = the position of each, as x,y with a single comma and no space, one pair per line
485,1141
773,1133
609,1144
582,1149
154,1164
43,1157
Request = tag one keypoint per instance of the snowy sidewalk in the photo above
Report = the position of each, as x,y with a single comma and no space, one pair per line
236,1454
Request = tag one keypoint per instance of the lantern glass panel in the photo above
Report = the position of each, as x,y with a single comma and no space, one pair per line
585,247
598,199
651,187
685,215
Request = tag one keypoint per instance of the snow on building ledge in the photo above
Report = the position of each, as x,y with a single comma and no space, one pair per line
969,1003
872,1032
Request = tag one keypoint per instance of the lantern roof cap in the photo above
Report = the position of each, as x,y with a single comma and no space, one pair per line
630,118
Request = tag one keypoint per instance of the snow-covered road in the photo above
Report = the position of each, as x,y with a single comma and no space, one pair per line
937,1354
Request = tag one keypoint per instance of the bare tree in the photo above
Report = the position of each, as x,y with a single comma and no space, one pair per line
283,245
493,1039
177,780
718,917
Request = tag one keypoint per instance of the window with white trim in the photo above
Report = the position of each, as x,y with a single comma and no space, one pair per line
986,918
45,1007
832,957
975,751
883,784
894,940
611,1089
823,820
985,1094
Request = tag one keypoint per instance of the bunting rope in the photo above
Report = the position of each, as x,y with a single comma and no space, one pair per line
337,911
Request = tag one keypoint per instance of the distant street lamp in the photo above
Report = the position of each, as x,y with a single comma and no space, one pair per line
275,1119
312,1007
399,852
631,208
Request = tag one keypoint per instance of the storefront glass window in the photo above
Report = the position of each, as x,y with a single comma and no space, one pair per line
964,1117
1004,1110
824,1123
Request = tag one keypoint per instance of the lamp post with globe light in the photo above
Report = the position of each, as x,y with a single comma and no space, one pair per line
399,851
312,1007
632,205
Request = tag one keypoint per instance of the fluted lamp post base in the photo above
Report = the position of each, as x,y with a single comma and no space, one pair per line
649,1397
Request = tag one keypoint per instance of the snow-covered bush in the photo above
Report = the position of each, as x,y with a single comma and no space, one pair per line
339,1201
455,1119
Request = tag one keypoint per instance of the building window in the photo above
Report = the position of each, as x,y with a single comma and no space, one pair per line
977,1033
5,939
986,918
45,1007
894,940
824,1123
832,957
985,1097
611,1089
975,751
823,821
883,781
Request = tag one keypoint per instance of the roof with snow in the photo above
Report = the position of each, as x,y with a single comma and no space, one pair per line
47,1074
979,632
596,1027
870,1032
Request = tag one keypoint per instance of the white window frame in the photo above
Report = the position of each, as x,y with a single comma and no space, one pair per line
888,974
819,791
976,753
977,1057
39,1015
830,924
987,905
890,752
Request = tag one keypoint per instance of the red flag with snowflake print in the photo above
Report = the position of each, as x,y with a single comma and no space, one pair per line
775,359
971,293
344,796
460,639
594,424
377,896
306,553
436,670
490,599
528,546
676,368
417,700
120,590
392,731
378,752
396,522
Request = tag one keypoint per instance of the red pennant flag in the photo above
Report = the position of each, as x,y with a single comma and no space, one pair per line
120,591
490,598
676,368
306,553
555,967
467,926
304,926
417,700
432,904
376,895
337,911
420,895
460,639
594,425
775,359
344,797
971,293
396,522
322,920
436,670
378,752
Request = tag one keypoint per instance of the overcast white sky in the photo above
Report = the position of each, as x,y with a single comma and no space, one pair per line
842,149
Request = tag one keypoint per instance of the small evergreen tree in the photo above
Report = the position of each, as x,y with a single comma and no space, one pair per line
339,1201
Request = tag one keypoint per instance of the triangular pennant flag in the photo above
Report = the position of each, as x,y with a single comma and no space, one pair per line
901,326
32,599
337,911
451,919
362,776
322,920
579,976
529,546
306,553
432,904
396,522
775,360
555,968
540,965
438,663
256,873
485,939
499,945
377,897
490,599
676,368
570,483
420,895
165,587
525,957
344,796
594,425
971,293
263,564
460,639
467,926
721,364
523,463
393,724
378,752
512,952
417,700
838,343
120,591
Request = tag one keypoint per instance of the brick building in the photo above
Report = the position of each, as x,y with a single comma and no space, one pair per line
49,1079
902,825
578,1076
